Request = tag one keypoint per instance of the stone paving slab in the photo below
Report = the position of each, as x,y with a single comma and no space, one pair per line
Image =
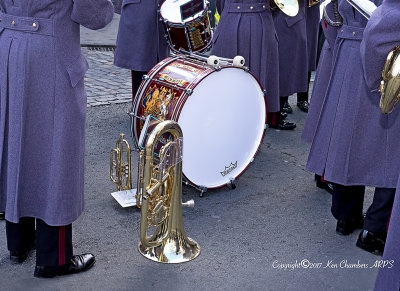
105,83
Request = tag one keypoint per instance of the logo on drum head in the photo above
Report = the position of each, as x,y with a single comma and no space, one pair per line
229,169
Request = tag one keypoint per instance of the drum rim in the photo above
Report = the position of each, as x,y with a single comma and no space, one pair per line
179,106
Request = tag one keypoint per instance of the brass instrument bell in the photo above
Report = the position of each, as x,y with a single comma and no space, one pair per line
160,193
289,7
390,85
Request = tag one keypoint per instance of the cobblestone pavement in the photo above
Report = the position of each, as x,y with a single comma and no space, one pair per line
105,83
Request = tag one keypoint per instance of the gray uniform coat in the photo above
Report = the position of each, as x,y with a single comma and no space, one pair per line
43,106
354,142
293,55
140,42
322,79
381,34
250,32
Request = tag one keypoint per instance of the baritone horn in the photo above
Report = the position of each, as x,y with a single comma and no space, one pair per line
289,7
390,84
160,195
120,164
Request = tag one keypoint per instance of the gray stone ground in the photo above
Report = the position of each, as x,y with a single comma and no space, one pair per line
252,238
105,83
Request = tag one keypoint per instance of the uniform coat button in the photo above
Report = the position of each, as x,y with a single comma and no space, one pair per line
34,25
238,7
251,7
13,22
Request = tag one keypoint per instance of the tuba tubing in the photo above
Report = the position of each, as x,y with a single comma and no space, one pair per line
163,194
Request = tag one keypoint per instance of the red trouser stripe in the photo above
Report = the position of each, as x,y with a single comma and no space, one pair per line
61,245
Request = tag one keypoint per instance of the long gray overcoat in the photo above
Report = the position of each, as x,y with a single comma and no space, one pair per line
43,106
312,28
250,33
354,142
381,34
293,54
140,42
389,277
322,79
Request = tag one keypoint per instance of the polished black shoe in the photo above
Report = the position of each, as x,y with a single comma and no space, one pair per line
372,242
78,263
2,216
284,125
346,227
303,105
287,108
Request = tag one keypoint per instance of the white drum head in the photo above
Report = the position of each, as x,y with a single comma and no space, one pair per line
223,123
171,11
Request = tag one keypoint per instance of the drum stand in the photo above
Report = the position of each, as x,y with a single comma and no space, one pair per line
203,189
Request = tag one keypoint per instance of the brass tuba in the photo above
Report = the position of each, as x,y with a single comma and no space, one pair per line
160,196
120,164
289,7
390,85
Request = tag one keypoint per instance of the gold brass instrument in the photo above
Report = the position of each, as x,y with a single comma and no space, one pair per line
160,196
312,3
390,85
120,164
289,7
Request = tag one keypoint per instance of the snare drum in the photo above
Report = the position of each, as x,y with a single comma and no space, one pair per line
186,25
222,112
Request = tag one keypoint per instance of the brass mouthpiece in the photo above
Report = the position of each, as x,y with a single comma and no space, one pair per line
189,203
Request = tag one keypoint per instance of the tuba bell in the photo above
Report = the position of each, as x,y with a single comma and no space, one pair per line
289,7
390,85
160,196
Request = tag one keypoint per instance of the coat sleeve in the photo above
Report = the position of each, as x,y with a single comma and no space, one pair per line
93,14
381,35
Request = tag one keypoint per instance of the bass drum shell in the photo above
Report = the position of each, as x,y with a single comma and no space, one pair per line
222,114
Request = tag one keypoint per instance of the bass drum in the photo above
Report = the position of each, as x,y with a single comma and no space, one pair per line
222,112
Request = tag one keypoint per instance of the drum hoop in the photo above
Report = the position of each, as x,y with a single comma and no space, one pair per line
180,24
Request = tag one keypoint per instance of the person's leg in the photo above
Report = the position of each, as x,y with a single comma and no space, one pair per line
53,244
54,254
137,77
323,184
284,104
347,206
373,237
213,9
20,238
302,97
377,216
